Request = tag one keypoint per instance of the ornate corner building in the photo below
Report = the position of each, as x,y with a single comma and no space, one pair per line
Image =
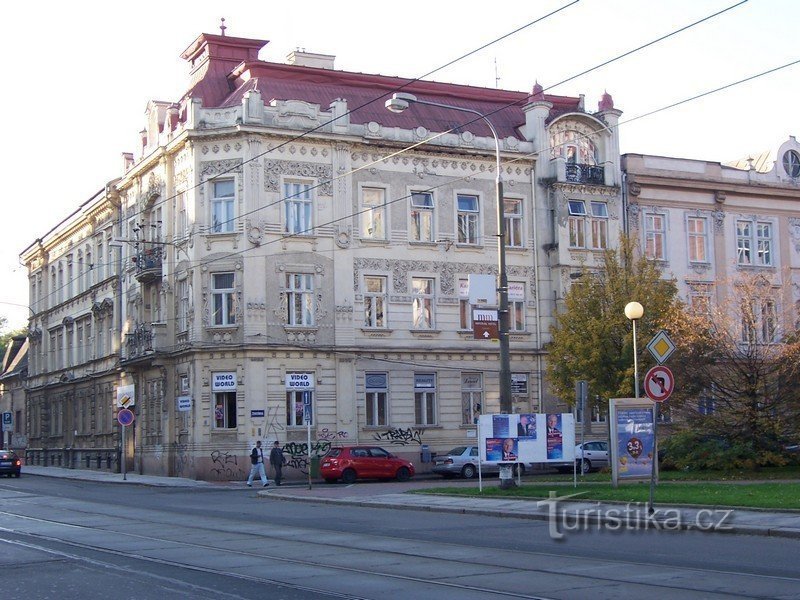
282,248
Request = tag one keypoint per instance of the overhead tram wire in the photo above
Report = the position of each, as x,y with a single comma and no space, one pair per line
512,161
470,121
376,99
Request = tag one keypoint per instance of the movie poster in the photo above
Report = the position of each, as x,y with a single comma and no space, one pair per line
555,437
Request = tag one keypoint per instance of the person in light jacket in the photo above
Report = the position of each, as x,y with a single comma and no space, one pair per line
257,462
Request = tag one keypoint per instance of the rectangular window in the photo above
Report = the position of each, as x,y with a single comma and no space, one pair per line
577,224
300,299
298,203
516,306
698,239
223,299
422,304
377,385
425,398
655,236
421,217
471,397
225,410
375,302
183,305
79,345
181,217
759,321
706,405
373,213
464,307
294,406
468,219
512,213
599,225
100,266
60,349
222,205
750,235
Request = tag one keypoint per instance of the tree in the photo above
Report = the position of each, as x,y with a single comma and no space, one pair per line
592,338
738,368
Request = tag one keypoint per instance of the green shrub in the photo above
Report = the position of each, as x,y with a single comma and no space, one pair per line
692,451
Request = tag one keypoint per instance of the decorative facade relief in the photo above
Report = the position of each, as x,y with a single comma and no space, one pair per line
633,215
213,168
794,233
274,169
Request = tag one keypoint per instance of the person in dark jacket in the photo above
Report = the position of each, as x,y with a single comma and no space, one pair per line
277,460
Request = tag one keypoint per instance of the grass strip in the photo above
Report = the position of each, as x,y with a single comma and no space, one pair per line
746,495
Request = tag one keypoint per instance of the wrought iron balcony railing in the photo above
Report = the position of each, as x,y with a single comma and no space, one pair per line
148,263
584,173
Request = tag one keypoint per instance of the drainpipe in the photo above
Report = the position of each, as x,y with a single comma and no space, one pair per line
536,250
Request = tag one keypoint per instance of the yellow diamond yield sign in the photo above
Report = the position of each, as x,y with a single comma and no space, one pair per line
661,347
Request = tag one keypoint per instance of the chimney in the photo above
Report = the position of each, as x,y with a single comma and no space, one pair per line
301,58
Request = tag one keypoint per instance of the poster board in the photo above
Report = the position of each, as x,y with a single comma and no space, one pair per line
632,439
527,438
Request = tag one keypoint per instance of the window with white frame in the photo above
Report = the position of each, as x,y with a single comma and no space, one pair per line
577,223
655,236
516,306
53,351
70,277
225,410
512,214
759,321
183,305
111,268
298,203
60,350
421,217
422,303
223,294
425,398
464,307
88,269
468,219
596,221
60,288
100,265
222,206
471,397
377,399
375,301
373,213
300,299
295,400
697,231
754,243
181,217
79,274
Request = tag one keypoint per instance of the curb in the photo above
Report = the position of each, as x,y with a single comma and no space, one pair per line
489,512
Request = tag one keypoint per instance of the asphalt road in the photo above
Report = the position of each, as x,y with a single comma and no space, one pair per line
76,539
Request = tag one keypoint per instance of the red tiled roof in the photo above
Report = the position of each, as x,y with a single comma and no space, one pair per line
365,94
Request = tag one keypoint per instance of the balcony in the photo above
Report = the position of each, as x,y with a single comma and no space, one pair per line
148,263
145,339
584,173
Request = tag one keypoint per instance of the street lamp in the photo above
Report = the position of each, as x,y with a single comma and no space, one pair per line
397,104
634,311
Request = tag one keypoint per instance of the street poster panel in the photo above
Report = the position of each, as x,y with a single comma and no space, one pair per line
632,439
555,437
527,438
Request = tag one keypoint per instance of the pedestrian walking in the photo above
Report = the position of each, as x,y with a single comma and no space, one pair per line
277,460
257,460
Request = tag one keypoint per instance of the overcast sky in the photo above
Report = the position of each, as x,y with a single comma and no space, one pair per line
78,75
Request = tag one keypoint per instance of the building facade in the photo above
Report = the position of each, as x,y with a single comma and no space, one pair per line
13,379
281,240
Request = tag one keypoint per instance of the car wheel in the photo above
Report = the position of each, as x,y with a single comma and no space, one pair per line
330,480
519,469
403,474
468,472
349,476
586,466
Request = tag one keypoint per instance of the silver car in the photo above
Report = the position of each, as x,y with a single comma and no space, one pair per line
463,461
595,455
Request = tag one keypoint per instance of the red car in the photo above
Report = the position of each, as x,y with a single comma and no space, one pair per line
363,462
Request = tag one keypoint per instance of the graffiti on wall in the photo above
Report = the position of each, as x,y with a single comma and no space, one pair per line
296,453
327,435
274,425
184,461
225,466
399,436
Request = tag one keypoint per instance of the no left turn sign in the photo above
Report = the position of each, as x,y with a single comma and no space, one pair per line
659,383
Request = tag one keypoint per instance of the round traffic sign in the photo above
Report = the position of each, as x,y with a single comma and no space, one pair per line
125,417
659,383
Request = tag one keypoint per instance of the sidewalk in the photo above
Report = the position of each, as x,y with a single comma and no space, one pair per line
713,519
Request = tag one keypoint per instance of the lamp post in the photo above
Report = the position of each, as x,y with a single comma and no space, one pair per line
397,104
634,311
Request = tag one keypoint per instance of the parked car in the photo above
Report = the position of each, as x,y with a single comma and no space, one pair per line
595,455
463,461
10,464
363,462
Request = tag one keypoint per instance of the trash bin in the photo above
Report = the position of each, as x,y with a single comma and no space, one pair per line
315,466
425,454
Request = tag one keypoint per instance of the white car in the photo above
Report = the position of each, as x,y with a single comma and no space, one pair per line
463,461
595,455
